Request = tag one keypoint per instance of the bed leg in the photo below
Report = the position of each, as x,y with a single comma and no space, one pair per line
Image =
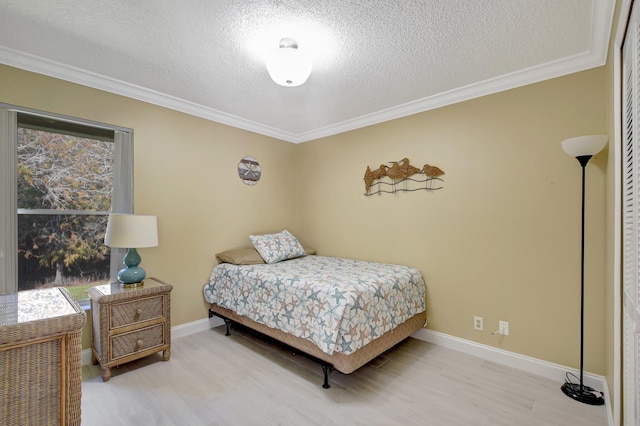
210,313
325,370
227,323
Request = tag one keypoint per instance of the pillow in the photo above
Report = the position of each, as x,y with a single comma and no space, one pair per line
277,247
241,256
247,256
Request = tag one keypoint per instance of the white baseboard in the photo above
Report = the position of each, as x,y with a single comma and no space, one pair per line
195,326
86,357
511,359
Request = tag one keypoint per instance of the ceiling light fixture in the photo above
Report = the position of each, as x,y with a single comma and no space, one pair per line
288,65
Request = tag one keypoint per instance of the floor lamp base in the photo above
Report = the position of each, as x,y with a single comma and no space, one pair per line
586,395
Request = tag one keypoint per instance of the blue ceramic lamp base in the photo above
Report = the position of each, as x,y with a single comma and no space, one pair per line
132,275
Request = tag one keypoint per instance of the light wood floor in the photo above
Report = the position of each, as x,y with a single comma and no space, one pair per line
242,380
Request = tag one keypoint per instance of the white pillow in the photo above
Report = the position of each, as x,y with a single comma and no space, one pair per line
277,247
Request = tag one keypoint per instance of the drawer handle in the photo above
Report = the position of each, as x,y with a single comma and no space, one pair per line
137,315
138,346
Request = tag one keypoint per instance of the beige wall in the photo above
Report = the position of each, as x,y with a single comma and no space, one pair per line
185,173
501,240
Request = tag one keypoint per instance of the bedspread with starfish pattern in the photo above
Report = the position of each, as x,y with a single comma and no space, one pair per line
338,304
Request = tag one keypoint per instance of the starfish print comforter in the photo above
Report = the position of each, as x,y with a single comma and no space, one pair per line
338,304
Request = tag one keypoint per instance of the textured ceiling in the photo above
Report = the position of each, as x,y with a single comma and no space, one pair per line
374,60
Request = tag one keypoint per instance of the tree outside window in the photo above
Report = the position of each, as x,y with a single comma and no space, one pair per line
64,188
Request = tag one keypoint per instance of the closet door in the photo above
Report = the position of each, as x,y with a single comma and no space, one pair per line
631,222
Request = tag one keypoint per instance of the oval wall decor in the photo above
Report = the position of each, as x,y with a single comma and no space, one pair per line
249,170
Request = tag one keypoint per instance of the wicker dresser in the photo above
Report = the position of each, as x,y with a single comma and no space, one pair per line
130,323
40,358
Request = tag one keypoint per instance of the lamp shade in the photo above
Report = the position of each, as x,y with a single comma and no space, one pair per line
131,231
584,145
287,65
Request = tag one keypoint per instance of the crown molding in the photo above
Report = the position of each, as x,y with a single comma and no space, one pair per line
76,75
487,87
602,21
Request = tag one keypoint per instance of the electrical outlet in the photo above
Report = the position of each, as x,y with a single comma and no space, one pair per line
503,327
477,323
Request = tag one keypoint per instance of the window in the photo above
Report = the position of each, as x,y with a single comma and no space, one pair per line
66,177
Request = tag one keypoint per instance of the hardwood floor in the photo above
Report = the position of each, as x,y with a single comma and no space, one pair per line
212,379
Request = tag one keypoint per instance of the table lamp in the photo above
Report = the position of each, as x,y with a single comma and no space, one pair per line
131,231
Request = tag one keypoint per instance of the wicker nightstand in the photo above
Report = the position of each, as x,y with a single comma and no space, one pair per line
40,358
130,323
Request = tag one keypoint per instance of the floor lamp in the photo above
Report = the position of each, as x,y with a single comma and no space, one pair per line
583,148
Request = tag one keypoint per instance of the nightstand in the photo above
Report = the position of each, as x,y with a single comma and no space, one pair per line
130,323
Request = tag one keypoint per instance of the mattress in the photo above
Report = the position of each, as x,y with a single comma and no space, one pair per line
339,305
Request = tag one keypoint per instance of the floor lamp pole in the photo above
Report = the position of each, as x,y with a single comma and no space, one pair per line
584,172
580,392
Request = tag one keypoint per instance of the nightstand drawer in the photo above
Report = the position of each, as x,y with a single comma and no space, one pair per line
123,314
136,341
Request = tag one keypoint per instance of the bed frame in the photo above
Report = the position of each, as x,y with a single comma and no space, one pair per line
343,363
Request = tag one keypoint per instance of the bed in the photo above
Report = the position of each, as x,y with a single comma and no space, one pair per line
342,312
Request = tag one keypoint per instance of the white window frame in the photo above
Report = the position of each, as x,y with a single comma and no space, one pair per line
121,197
